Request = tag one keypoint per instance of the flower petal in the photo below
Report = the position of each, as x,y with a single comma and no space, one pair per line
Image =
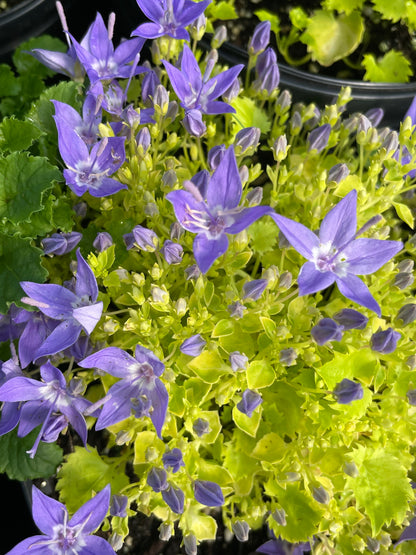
28,546
224,188
113,360
311,280
365,256
86,284
47,512
206,251
159,398
62,337
93,512
53,300
245,217
117,407
353,288
96,545
300,237
88,316
340,224
190,212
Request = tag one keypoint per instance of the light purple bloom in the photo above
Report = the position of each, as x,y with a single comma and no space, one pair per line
347,391
61,243
140,390
238,361
282,547
385,341
351,319
90,170
98,56
268,74
172,252
216,216
197,91
76,310
157,479
236,309
10,412
87,125
254,289
173,459
50,403
169,17
249,402
336,255
174,498
326,330
103,241
142,238
37,327
118,505
208,493
201,427
193,346
193,123
62,535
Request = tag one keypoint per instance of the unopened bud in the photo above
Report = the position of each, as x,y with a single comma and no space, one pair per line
284,100
165,531
279,516
338,173
189,542
288,357
215,155
280,148
373,545
201,427
295,123
243,173
391,142
197,27
407,314
254,196
403,280
318,138
232,92
194,123
247,139
321,495
406,265
285,280
161,100
219,37
238,361
169,178
411,362
241,530
375,115
350,468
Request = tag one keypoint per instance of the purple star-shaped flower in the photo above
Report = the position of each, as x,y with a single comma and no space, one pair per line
90,171
10,412
87,125
216,216
77,310
62,535
50,403
197,91
336,255
98,56
140,390
170,17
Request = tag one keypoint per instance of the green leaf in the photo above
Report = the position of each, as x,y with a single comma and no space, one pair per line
346,6
248,114
381,488
263,236
265,15
270,448
17,464
223,327
394,11
360,364
101,263
330,38
9,83
221,10
260,374
247,424
19,261
238,341
393,67
26,63
23,179
299,18
91,473
404,213
17,135
209,366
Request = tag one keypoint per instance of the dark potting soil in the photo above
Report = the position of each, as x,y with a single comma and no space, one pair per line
380,36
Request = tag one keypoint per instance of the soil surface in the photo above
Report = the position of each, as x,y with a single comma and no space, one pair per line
380,35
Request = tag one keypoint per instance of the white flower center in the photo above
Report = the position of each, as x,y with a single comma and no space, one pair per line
327,259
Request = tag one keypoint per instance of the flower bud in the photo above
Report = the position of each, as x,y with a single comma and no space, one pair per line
284,100
208,493
254,196
326,330
193,272
118,506
350,319
364,128
142,238
197,27
238,361
260,39
193,346
347,391
215,155
193,123
80,209
172,252
338,173
103,241
253,290
385,342
161,100
219,37
295,123
285,280
176,231
157,479
279,516
190,545
247,139
243,173
280,148
232,92
171,114
149,85
321,495
318,138
165,531
407,314
241,530
174,498
350,468
288,357
268,74
143,139
402,280
169,178
374,116
236,309
159,294
373,545
61,243
312,122
391,142
411,362
249,402
406,265
411,396
201,427
264,61
173,459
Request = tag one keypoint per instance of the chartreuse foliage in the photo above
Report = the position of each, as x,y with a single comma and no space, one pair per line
337,30
339,473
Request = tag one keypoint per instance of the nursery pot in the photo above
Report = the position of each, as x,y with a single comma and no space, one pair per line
393,98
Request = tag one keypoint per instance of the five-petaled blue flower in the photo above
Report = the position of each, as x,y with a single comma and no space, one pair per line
62,535
212,218
139,391
336,255
169,17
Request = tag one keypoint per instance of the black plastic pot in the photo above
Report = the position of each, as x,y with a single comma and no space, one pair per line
393,98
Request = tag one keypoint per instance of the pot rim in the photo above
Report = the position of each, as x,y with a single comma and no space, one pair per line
22,9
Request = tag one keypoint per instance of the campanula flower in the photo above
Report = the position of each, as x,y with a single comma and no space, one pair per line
318,137
201,427
98,56
118,505
260,38
77,310
208,493
241,530
216,216
172,252
173,459
90,170
193,346
336,255
238,361
169,17
197,91
139,391
282,547
157,479
338,173
385,341
347,391
351,319
103,241
10,412
61,243
62,535
50,403
190,544
86,125
36,328
249,402
326,330
174,498
141,238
